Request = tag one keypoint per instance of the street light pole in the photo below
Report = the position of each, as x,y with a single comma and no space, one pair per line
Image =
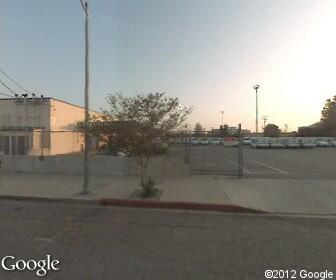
256,87
86,178
222,112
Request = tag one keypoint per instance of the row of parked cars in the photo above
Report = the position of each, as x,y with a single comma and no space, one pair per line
206,141
292,142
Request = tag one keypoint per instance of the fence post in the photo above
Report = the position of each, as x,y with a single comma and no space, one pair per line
240,153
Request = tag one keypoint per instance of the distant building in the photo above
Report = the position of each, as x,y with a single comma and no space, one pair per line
39,126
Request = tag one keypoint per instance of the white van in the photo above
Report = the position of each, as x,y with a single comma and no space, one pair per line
195,141
322,142
293,142
307,142
204,141
262,142
216,141
276,143
332,142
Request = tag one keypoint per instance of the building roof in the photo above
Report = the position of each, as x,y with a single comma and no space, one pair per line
52,98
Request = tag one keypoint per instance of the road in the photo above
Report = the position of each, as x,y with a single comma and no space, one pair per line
119,243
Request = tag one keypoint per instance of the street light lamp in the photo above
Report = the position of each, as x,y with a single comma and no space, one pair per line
256,87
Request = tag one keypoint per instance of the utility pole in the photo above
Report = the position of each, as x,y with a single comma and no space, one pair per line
26,147
222,112
264,118
86,177
256,87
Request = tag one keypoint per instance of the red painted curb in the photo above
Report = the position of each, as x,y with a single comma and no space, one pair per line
178,205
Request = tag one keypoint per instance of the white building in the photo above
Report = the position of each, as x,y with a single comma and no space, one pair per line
39,126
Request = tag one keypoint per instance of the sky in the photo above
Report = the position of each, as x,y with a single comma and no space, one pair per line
209,53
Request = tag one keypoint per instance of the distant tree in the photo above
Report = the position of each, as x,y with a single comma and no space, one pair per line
272,130
327,124
224,129
328,115
134,125
313,130
198,129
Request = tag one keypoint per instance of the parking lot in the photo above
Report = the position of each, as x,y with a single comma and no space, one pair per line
318,163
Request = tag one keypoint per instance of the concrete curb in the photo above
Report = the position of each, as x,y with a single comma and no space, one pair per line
51,199
138,204
178,205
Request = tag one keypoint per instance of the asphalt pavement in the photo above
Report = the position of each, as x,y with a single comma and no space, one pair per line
317,163
123,243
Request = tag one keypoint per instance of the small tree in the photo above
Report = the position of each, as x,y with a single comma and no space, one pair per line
272,130
198,129
134,125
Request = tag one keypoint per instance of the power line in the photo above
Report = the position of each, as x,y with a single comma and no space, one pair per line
5,94
16,83
7,87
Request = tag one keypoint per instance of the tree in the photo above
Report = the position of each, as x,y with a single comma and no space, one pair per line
272,130
327,124
328,118
224,129
134,126
198,129
313,130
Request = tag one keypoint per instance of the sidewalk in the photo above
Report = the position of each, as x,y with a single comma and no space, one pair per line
271,195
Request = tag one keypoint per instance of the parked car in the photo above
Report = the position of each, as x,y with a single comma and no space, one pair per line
204,141
307,142
230,142
262,142
276,143
254,142
195,141
322,142
332,142
247,141
216,141
293,142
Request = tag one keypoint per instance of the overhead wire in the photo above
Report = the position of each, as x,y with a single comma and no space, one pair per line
13,81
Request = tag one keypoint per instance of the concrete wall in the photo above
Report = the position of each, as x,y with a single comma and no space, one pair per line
99,165
19,115
49,114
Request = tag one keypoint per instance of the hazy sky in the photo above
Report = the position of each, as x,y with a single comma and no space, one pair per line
207,52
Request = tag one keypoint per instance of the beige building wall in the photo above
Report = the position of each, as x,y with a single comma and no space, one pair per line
63,120
48,123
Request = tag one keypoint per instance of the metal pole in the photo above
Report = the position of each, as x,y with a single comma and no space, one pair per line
222,118
256,87
86,177
256,110
26,130
41,144
240,153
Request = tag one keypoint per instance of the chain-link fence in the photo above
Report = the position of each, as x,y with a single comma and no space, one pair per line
38,162
215,154
209,153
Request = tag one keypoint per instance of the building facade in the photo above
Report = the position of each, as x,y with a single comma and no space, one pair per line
40,126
